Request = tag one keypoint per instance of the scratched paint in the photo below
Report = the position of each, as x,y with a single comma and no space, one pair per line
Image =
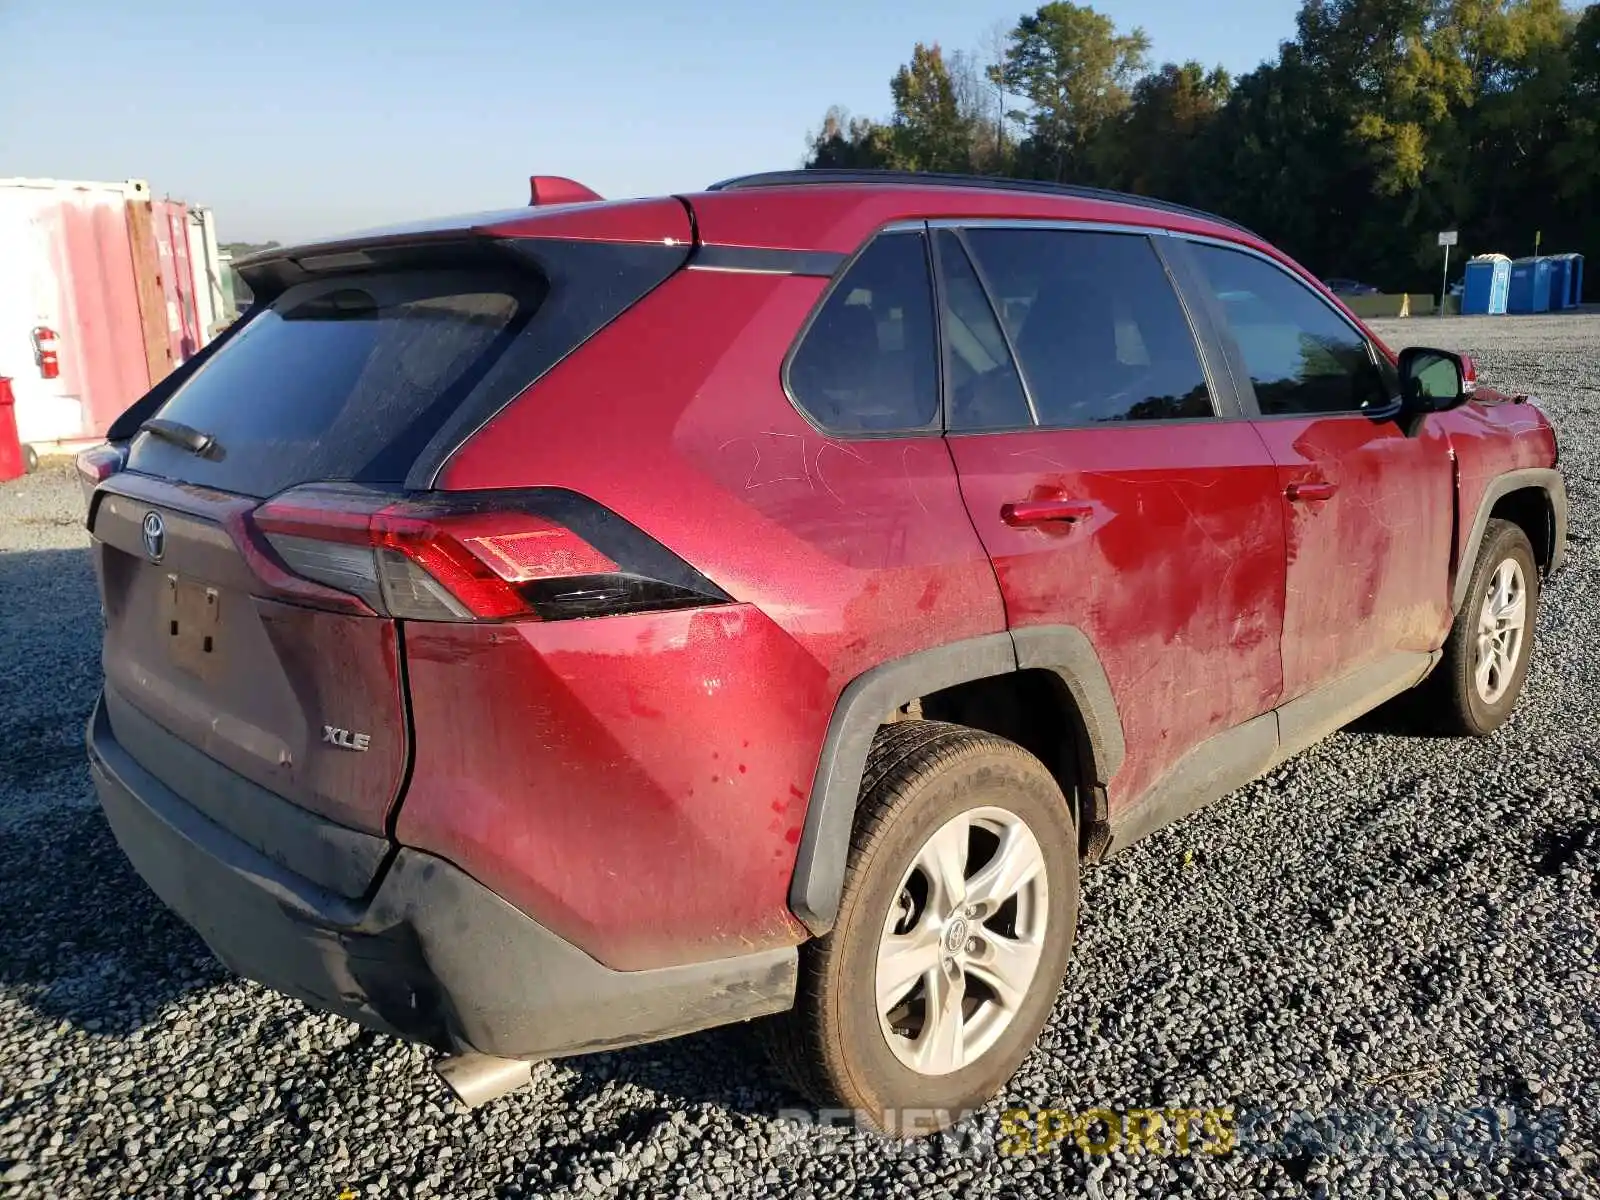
855,552
1367,569
862,550
1209,597
1176,578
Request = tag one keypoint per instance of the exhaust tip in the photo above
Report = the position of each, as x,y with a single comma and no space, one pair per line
479,1078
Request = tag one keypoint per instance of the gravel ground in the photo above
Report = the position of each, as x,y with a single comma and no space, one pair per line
1359,956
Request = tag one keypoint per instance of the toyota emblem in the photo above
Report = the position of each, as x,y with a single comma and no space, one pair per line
155,535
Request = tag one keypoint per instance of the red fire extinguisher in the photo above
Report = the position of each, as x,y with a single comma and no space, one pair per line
44,352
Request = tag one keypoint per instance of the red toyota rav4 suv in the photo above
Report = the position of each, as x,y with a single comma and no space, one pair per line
562,628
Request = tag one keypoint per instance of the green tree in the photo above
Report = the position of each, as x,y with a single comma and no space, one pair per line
1380,123
849,142
1275,159
982,111
930,131
1576,155
1076,73
239,250
1154,147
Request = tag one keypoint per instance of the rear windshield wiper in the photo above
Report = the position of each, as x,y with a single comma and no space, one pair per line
185,436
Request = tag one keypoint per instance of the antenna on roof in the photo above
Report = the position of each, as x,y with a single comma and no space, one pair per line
556,189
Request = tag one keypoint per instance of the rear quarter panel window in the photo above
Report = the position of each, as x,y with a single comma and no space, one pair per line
867,362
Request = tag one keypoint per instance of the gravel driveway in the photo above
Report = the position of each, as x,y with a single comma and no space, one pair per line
1384,959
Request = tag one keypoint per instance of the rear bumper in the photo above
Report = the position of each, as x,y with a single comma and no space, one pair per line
432,955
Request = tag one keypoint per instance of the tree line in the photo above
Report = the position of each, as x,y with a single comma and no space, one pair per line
1379,124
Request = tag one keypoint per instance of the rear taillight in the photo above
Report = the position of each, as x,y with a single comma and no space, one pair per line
99,463
477,556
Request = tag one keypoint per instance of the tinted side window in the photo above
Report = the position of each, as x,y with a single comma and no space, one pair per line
980,376
1302,356
1096,325
867,361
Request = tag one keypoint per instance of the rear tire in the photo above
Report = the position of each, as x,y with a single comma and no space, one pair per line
949,821
1478,680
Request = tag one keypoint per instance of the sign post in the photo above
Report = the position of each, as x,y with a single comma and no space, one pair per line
1447,238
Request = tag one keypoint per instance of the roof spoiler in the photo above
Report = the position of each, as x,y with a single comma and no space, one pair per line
555,189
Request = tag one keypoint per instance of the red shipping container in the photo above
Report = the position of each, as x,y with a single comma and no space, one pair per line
12,463
114,274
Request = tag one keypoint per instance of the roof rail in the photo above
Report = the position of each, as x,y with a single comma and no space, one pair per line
950,179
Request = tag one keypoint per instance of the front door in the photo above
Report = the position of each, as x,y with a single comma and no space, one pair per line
1113,486
1368,504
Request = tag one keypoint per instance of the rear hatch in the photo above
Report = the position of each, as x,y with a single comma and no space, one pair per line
273,529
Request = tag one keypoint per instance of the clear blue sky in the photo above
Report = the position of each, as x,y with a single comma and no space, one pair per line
295,118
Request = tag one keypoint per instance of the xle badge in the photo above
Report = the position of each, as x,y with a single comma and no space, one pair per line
344,739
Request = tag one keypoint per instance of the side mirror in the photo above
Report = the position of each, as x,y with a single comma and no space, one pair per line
1435,380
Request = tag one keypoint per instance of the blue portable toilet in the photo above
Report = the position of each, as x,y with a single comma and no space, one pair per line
1486,286
1530,286
1566,281
1556,288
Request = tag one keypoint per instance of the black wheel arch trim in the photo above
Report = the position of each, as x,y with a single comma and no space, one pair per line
869,699
1067,651
1546,479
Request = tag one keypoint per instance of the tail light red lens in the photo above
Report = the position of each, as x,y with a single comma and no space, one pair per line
477,556
99,463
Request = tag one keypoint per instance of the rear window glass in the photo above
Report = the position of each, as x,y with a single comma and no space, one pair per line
342,379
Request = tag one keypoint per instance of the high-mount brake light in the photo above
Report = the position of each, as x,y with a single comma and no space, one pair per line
544,554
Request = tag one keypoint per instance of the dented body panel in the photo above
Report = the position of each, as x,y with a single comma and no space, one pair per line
1176,575
1367,569
1491,437
636,783
847,554
201,644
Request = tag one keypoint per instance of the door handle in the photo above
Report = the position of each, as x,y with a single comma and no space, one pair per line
1041,512
1312,489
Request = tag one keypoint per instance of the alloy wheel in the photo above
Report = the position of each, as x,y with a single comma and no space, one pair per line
961,946
1501,626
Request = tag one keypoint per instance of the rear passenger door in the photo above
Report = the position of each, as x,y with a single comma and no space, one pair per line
1368,504
1114,483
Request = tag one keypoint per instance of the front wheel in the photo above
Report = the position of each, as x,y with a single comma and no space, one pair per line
958,913
1485,661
